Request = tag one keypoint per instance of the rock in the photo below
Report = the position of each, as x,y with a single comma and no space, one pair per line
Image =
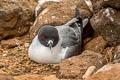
16,17
75,67
89,72
107,72
54,14
27,45
97,44
6,77
107,24
28,77
4,55
10,43
116,57
99,4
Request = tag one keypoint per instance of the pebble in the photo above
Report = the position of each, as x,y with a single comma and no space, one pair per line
27,45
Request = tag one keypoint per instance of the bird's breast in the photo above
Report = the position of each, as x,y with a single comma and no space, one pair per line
41,54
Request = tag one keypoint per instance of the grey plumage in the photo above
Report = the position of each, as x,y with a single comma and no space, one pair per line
71,33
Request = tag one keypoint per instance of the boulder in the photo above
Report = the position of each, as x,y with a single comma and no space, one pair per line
75,67
16,16
97,44
107,24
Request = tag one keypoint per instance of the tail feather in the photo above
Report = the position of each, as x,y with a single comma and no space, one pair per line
77,24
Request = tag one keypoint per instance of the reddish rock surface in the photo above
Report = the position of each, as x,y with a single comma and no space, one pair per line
97,44
16,17
75,67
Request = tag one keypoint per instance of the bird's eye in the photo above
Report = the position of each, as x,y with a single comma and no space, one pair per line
43,37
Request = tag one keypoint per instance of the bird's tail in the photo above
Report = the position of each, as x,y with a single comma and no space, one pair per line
77,24
81,21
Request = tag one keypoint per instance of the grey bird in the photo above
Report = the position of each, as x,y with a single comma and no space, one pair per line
53,44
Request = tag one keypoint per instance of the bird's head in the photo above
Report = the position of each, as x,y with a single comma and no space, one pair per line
48,36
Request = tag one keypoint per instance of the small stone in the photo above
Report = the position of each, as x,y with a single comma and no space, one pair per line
4,55
27,45
53,17
89,72
107,72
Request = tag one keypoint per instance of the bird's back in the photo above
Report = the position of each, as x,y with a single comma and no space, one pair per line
71,35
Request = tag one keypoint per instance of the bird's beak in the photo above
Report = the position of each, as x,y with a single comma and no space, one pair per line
50,43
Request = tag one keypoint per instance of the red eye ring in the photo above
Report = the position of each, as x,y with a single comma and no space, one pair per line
43,37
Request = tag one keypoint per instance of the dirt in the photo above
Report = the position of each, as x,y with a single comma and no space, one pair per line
15,61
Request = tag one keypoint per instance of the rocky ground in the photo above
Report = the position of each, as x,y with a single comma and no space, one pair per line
99,59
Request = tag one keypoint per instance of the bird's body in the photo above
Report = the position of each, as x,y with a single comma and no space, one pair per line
66,41
42,54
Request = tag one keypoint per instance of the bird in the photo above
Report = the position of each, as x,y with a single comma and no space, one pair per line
53,44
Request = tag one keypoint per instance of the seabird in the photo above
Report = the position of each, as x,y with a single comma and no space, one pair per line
52,44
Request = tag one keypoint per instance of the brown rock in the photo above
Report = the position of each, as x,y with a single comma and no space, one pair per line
28,77
98,4
59,13
116,58
97,44
16,17
6,77
107,24
75,67
10,43
107,72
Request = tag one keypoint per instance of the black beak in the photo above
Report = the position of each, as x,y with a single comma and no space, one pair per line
50,43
